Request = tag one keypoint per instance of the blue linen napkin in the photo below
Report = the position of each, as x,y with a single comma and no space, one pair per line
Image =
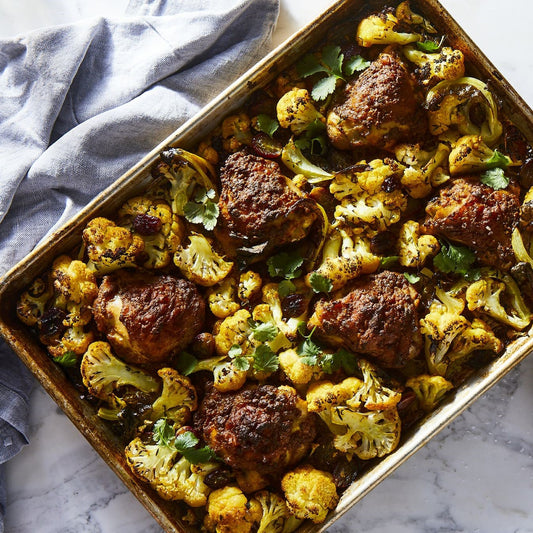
81,103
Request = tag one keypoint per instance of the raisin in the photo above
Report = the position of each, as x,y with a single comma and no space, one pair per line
146,224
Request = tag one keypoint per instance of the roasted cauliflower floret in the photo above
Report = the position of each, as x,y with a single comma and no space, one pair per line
200,263
222,298
276,517
103,373
31,304
110,247
236,132
470,155
500,298
324,395
153,220
477,336
296,369
382,29
429,390
235,330
249,286
447,64
295,110
440,327
149,461
413,248
424,169
178,397
374,395
230,511
345,256
370,198
310,493
449,104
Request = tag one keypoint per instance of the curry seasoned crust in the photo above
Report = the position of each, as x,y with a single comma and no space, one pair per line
260,208
148,318
380,108
263,428
377,316
468,212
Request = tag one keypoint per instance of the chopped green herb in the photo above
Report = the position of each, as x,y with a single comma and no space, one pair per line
456,259
265,360
386,262
355,64
331,362
285,265
285,288
263,331
429,45
235,351
241,363
495,178
186,363
203,210
323,88
411,278
163,432
497,159
309,351
68,359
186,444
320,283
313,139
267,124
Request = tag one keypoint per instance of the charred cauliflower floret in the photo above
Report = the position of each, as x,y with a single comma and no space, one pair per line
380,108
235,330
177,399
470,155
310,493
324,395
298,372
200,263
110,247
103,373
424,169
382,29
450,102
185,173
447,64
230,511
161,230
236,132
31,304
276,517
369,196
222,298
374,395
477,336
249,286
345,256
429,390
295,110
498,296
413,248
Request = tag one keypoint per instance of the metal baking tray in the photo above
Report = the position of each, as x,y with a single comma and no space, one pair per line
135,180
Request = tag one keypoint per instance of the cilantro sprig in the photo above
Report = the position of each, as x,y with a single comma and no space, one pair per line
265,359
240,361
68,359
203,210
429,45
495,178
266,124
320,283
457,260
285,265
263,331
331,63
163,433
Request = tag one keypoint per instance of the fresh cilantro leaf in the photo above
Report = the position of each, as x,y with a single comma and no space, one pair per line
68,359
329,362
267,124
497,159
333,58
203,210
241,363
429,45
455,259
313,138
285,265
323,88
411,278
347,360
320,283
263,331
235,351
186,363
309,351
389,261
186,444
163,432
285,288
495,178
265,360
309,65
355,64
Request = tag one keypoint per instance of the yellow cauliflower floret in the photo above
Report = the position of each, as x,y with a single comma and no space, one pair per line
310,493
236,132
295,110
31,304
324,395
447,64
296,370
413,248
429,390
249,285
221,298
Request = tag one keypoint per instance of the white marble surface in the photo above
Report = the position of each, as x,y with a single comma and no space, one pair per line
475,476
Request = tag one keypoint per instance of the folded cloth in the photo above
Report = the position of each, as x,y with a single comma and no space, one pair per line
81,103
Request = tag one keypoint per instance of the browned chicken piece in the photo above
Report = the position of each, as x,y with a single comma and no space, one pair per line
376,315
380,108
261,428
476,215
148,318
260,208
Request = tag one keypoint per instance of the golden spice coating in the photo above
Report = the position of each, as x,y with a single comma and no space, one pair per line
478,216
262,428
376,315
148,318
380,108
260,208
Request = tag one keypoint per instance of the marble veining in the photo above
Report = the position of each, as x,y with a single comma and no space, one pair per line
476,476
